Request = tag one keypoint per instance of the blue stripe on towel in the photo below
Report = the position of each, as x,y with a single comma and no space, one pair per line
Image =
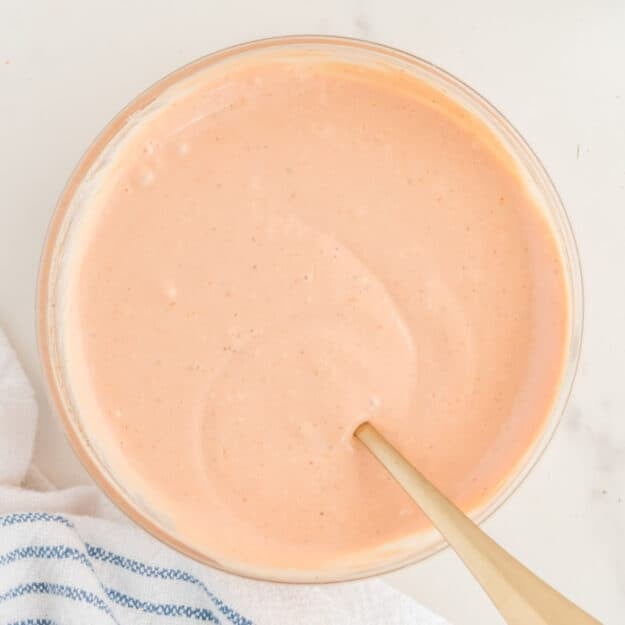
60,590
31,517
34,621
162,609
57,552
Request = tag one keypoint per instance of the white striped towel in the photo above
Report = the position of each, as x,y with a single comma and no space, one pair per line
68,557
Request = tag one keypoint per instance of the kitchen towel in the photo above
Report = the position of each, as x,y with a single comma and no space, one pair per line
67,556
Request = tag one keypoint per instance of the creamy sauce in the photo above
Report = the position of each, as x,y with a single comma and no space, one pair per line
281,250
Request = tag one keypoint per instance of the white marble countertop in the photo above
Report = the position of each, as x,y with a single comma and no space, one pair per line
556,69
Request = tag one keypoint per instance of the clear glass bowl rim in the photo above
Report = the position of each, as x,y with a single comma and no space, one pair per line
45,305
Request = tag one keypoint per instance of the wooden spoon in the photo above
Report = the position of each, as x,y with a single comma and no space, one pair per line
521,597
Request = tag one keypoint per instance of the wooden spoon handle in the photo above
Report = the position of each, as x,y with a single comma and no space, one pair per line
520,596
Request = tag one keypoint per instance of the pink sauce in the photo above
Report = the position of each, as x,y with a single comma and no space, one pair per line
285,248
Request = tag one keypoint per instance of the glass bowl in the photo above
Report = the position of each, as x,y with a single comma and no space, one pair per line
410,549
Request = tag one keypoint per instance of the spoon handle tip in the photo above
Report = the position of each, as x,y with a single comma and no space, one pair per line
521,597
